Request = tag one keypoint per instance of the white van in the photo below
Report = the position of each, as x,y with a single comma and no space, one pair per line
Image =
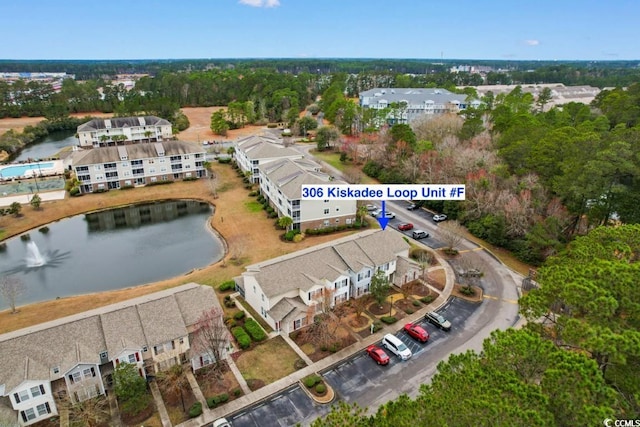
396,346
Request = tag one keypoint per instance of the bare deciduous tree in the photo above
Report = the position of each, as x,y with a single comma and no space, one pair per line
469,271
91,412
211,336
11,288
451,233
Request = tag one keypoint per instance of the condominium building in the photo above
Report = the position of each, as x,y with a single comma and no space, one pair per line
123,130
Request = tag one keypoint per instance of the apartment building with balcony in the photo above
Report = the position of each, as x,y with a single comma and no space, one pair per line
123,130
281,182
287,291
408,104
108,168
255,150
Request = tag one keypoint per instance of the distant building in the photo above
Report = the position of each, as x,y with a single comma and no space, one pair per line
560,94
108,168
413,103
123,130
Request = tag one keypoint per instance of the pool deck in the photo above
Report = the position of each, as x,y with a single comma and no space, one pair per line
56,169
26,198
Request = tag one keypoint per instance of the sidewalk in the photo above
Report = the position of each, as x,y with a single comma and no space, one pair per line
324,364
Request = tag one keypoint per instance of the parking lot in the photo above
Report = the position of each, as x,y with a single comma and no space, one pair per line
358,377
287,408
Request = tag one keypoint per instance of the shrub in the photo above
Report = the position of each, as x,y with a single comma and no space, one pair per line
227,298
428,299
190,178
195,410
127,187
416,303
256,332
75,191
298,238
239,315
468,291
227,286
311,380
237,392
388,319
409,311
321,389
290,235
377,325
272,125
25,237
253,193
244,340
151,184
211,402
230,323
224,160
272,215
334,347
230,303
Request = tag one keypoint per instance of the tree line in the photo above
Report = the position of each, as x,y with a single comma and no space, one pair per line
575,363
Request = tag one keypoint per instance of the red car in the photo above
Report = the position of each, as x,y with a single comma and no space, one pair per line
416,332
405,226
378,355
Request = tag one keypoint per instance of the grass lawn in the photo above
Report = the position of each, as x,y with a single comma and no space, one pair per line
269,361
253,206
333,159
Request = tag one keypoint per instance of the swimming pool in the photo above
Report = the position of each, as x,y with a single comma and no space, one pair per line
18,171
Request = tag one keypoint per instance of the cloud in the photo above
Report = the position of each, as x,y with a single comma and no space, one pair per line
532,42
260,3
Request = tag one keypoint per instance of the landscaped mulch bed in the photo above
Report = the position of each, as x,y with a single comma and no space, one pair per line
215,383
406,305
379,310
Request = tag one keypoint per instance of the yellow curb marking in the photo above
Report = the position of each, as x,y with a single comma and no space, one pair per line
471,250
512,301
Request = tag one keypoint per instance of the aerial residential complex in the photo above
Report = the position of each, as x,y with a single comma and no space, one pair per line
288,290
414,103
281,171
107,168
129,130
75,357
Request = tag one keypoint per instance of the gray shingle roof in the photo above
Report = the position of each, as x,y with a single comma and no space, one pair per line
161,320
289,175
134,152
303,269
122,122
412,95
285,307
32,353
261,147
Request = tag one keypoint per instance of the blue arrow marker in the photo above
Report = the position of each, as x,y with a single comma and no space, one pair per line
382,218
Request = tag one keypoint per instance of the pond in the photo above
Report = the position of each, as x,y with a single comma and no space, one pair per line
111,249
47,147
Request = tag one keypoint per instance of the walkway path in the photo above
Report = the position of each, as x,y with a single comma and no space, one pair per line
236,372
162,410
324,364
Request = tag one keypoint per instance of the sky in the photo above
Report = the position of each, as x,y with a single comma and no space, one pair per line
424,29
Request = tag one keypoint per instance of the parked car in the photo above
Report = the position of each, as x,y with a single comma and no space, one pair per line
438,320
375,212
417,332
396,346
378,354
412,206
419,234
372,208
387,214
221,422
439,217
405,226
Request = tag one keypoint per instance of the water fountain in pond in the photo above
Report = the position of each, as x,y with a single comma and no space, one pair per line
34,258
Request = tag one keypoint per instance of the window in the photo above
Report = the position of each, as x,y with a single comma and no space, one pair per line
24,395
326,211
35,391
158,349
43,409
262,297
132,358
28,414
181,340
145,349
76,377
56,370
